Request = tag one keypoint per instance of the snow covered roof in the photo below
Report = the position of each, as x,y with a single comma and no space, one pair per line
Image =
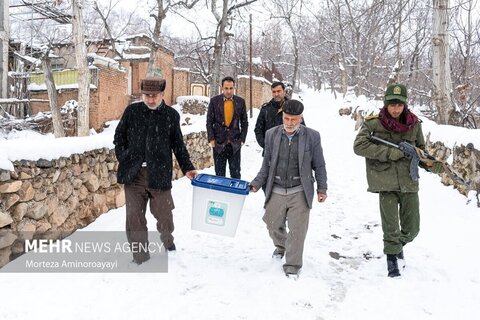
104,61
43,87
133,36
28,59
127,56
262,79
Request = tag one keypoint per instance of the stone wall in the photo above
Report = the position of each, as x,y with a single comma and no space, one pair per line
66,194
200,152
194,105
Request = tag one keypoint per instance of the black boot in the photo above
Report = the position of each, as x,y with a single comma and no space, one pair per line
401,260
392,266
278,253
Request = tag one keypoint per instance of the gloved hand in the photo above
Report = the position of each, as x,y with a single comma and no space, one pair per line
437,167
395,154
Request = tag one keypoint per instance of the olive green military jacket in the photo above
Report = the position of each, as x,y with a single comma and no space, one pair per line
384,174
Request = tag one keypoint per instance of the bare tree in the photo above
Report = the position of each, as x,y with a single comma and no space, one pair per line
465,70
291,11
350,44
108,20
159,13
83,123
441,62
221,36
52,94
108,16
336,43
47,34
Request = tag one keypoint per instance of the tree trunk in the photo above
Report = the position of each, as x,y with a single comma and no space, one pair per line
83,72
295,55
340,50
52,97
441,62
220,39
343,75
157,29
464,87
218,49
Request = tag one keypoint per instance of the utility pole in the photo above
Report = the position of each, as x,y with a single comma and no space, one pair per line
251,72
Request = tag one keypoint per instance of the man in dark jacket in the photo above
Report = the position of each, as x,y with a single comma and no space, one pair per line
388,172
271,113
293,161
145,137
227,125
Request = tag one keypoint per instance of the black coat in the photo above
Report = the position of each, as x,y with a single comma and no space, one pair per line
236,133
145,135
268,118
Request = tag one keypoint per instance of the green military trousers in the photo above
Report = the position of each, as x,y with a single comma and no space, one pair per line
400,219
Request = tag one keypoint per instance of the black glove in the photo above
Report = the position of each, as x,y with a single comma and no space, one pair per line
409,150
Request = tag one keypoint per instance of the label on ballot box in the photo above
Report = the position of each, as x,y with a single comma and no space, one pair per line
216,213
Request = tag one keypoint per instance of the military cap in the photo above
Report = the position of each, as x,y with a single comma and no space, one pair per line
396,92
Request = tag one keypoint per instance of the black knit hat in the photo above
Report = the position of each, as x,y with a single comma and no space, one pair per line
293,107
153,85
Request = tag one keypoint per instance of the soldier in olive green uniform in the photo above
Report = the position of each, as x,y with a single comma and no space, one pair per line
388,172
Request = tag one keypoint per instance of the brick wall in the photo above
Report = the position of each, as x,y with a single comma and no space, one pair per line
261,91
166,62
112,96
139,69
181,83
63,96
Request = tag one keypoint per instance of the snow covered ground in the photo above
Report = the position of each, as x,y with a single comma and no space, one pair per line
344,273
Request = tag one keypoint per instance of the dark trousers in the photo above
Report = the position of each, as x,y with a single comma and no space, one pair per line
137,195
220,161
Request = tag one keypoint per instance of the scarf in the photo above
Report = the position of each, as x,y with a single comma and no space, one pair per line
406,123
